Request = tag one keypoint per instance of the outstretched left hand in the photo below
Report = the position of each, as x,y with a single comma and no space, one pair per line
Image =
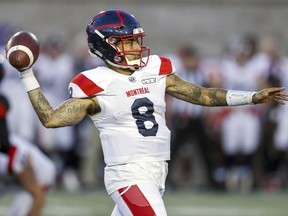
271,94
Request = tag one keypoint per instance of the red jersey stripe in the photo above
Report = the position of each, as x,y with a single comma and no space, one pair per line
12,153
3,111
166,66
136,201
86,85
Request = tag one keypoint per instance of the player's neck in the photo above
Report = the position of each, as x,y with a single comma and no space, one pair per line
123,71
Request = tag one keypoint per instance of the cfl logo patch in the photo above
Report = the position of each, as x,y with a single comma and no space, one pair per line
148,81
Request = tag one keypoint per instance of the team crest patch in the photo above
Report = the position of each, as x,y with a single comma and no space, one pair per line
132,79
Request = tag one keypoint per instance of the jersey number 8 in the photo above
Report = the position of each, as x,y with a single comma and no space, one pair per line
142,110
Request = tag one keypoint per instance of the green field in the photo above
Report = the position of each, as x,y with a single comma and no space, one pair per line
97,203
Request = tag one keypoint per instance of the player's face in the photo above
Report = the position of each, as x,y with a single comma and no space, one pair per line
131,48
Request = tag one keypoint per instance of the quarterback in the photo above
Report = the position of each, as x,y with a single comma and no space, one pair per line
126,102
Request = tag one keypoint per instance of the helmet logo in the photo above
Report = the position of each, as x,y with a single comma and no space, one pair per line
138,31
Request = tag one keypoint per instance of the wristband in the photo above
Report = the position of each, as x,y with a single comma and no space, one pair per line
29,80
237,98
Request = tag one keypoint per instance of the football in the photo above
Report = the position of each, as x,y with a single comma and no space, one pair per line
22,50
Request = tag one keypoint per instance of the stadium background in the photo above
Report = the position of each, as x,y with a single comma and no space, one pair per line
207,23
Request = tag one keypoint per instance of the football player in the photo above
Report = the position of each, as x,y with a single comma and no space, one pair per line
29,169
125,100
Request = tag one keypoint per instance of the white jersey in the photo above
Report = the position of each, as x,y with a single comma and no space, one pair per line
43,167
132,119
244,77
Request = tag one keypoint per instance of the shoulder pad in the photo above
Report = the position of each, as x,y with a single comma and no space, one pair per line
166,66
87,86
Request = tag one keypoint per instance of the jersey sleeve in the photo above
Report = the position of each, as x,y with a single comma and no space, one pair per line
166,66
82,87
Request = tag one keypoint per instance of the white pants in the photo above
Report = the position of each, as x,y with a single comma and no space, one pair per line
138,200
137,188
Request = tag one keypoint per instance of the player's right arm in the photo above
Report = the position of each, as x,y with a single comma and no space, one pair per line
70,112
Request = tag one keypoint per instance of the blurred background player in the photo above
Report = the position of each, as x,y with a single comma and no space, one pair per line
190,162
59,144
12,89
29,170
240,128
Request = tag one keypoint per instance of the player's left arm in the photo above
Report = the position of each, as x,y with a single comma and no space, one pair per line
196,94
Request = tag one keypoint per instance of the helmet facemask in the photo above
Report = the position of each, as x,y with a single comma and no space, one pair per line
122,55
